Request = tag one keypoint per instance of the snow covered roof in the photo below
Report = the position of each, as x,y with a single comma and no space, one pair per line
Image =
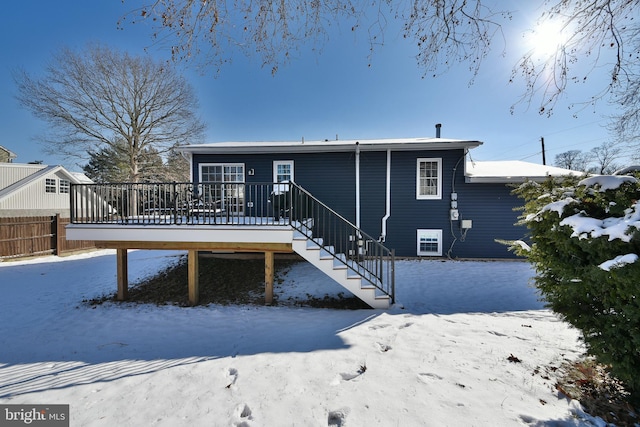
513,171
81,178
319,146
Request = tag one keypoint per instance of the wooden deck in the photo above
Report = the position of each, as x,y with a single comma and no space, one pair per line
216,238
257,217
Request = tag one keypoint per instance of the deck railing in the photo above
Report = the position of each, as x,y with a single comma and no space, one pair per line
347,243
177,203
223,203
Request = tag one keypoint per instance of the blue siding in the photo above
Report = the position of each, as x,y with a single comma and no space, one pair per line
328,176
331,178
491,208
373,187
409,214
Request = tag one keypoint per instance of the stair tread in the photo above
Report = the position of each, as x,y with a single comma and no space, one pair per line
361,282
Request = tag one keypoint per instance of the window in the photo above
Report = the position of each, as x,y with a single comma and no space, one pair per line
283,171
64,186
49,185
222,173
430,242
223,184
429,179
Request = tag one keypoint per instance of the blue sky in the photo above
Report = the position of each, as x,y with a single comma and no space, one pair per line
315,96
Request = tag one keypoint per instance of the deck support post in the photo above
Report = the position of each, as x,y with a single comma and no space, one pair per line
268,278
193,277
122,274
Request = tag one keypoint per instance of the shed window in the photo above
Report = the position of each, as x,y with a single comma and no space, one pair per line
430,242
429,179
49,185
64,186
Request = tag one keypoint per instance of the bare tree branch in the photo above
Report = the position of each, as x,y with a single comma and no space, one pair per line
595,36
100,98
599,49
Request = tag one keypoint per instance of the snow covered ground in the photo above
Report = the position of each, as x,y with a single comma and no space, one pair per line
468,344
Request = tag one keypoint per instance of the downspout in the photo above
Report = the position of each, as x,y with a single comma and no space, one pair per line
383,236
357,184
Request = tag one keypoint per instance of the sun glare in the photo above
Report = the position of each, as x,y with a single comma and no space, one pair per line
546,37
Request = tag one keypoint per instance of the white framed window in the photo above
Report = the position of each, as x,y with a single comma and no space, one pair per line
283,171
221,184
65,184
50,185
223,172
430,242
429,179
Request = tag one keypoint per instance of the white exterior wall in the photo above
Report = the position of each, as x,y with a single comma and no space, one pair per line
11,173
32,200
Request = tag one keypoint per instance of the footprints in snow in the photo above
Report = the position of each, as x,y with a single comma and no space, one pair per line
383,347
232,377
338,418
426,377
242,412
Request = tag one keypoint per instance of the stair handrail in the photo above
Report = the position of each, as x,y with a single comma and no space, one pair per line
363,254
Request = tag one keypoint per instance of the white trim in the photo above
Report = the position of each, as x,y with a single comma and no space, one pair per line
282,162
180,233
434,233
438,195
324,146
358,184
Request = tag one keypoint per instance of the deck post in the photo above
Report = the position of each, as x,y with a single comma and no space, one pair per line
193,277
122,274
268,278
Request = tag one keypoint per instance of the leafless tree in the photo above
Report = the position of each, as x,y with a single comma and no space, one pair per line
604,157
100,98
598,34
626,125
274,30
574,159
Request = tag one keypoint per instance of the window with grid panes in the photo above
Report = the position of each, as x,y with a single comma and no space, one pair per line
49,185
429,179
430,242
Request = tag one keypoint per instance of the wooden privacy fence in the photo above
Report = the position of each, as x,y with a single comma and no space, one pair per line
37,235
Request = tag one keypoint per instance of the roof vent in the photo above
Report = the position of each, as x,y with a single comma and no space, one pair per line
438,126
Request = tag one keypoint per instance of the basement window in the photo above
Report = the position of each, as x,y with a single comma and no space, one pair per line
50,185
429,242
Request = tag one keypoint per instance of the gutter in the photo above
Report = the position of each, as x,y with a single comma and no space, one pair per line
357,184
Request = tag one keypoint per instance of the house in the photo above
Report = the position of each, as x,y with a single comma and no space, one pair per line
348,206
6,156
419,196
36,189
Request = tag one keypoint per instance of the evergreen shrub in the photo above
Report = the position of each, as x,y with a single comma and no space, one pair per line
584,243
